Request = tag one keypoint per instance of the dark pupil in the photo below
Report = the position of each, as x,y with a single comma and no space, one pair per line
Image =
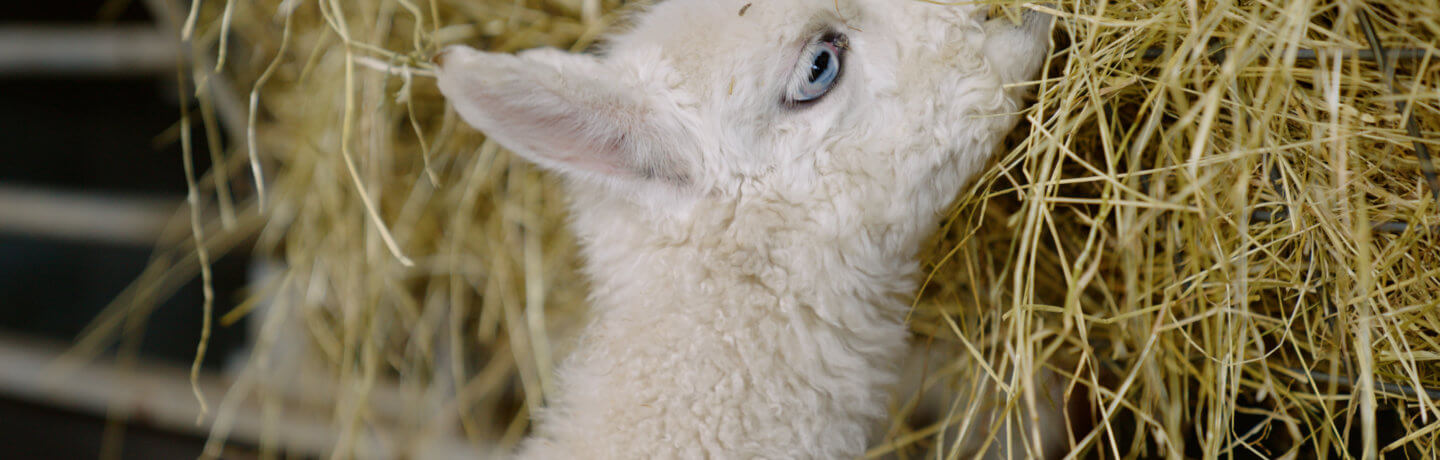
818,67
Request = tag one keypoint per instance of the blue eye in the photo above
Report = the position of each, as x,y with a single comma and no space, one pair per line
817,70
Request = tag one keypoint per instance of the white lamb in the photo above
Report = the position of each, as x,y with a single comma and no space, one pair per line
751,181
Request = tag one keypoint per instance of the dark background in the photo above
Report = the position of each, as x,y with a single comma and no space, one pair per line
99,136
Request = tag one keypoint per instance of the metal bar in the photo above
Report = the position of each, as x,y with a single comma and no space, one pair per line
114,219
1394,226
1345,381
130,50
159,395
1427,166
1306,54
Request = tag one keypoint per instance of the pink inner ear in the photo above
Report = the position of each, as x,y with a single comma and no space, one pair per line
569,115
565,139
553,131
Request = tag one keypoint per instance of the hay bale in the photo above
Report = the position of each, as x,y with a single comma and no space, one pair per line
1215,223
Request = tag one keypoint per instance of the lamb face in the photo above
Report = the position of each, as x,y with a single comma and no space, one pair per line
749,183
702,100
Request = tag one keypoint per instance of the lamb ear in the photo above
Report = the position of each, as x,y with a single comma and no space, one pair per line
564,112
1018,50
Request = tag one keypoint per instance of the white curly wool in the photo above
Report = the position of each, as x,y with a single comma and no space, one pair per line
750,257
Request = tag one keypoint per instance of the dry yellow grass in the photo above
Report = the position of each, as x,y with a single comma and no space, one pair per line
1214,222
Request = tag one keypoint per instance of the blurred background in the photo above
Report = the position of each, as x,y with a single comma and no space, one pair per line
380,359
90,176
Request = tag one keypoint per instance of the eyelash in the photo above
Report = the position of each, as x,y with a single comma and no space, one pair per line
830,44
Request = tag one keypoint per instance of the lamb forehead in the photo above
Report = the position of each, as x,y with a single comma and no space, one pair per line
691,23
707,41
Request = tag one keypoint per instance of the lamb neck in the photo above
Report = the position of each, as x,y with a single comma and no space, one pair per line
742,333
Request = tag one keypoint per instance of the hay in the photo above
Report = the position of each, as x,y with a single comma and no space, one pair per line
1214,224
